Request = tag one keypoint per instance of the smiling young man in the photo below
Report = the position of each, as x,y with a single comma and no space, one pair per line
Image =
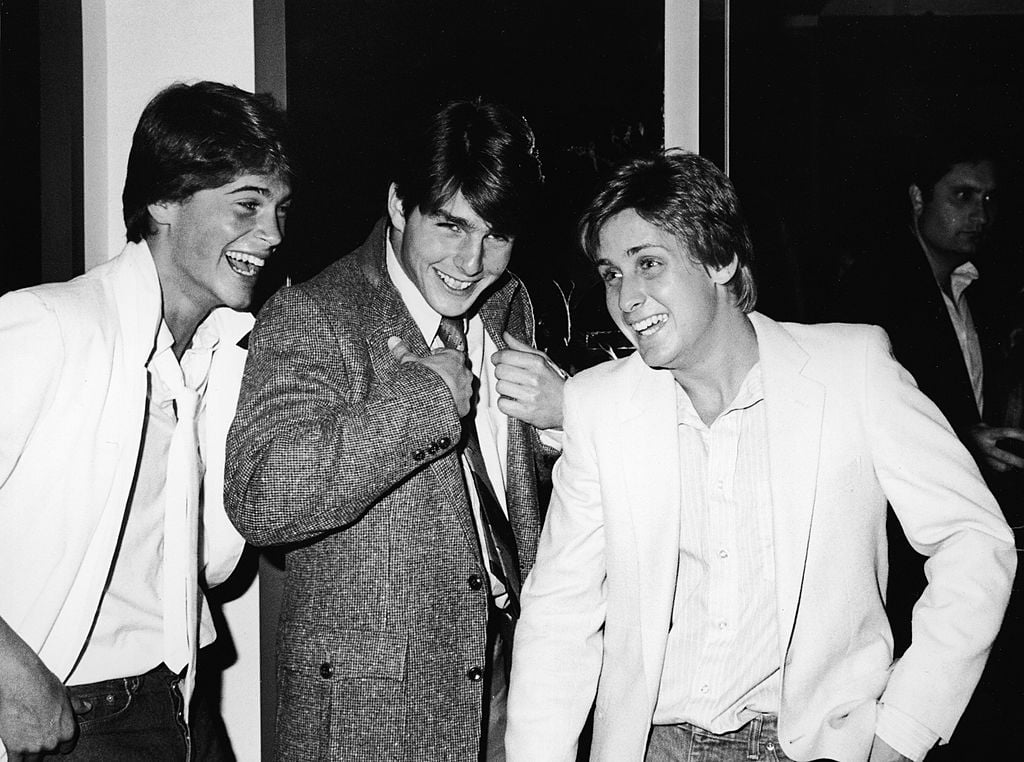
712,559
118,389
389,430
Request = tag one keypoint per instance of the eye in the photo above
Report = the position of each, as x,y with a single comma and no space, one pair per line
498,238
249,205
608,275
647,264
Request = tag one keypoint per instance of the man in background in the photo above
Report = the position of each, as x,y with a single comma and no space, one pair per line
389,433
118,389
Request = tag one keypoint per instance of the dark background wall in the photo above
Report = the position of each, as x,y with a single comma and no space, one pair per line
588,77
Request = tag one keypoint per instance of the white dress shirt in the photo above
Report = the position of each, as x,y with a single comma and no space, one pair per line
128,637
722,658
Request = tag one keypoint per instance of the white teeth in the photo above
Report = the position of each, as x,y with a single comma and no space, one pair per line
458,285
241,256
244,264
647,323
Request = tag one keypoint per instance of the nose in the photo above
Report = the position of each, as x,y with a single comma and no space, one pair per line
270,228
631,295
470,258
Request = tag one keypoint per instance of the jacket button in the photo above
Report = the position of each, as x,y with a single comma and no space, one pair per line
432,448
444,443
475,674
326,670
474,582
419,455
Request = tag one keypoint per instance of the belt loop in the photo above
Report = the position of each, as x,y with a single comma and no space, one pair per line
754,737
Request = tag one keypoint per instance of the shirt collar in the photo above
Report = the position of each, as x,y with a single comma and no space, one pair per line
962,277
750,393
425,317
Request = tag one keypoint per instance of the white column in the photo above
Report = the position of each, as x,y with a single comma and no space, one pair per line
682,74
131,49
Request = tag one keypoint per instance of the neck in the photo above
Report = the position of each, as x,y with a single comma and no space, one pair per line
181,312
714,379
942,263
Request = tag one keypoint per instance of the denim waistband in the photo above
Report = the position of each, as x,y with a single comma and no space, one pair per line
157,678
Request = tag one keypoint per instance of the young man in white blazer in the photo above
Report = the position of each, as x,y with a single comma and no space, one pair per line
713,559
116,392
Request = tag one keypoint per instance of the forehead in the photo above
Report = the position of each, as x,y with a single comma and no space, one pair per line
458,208
627,234
980,175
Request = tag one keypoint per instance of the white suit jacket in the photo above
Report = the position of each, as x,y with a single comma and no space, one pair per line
73,386
847,430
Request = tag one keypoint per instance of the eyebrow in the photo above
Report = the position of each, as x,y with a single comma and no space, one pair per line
456,220
251,189
632,251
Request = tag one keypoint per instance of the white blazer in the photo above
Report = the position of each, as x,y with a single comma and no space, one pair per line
847,431
72,405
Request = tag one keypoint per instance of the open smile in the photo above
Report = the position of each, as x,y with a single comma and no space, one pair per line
453,284
649,325
246,265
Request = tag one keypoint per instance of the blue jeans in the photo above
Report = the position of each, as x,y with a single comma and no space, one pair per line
140,719
757,740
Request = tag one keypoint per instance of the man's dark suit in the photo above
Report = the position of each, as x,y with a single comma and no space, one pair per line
896,289
348,456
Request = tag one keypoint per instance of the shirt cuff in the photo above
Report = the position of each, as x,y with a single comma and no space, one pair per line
551,438
903,733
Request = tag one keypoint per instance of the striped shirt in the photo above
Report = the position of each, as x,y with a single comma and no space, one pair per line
722,659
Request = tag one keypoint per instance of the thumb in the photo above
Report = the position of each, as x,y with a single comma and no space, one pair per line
400,350
521,346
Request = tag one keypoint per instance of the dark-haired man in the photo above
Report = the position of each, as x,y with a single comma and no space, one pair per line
387,431
118,389
712,561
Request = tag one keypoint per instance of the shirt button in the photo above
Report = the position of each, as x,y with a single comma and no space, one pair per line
326,670
444,442
723,553
723,625
475,582
705,688
475,674
719,484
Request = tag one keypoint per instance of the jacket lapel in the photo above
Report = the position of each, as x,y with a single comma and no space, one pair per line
650,468
392,316
794,408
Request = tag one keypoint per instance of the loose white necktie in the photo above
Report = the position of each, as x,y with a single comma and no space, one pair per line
181,542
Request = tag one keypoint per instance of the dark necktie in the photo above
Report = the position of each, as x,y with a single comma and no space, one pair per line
498,539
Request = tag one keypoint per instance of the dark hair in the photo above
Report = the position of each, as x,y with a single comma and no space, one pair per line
193,137
486,151
932,156
685,195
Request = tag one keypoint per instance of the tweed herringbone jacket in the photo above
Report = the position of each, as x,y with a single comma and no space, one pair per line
346,456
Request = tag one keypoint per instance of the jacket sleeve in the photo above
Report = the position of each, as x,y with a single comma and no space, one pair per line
31,355
559,637
950,517
326,427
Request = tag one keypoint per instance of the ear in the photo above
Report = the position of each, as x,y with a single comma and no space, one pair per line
396,212
916,200
723,275
163,212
